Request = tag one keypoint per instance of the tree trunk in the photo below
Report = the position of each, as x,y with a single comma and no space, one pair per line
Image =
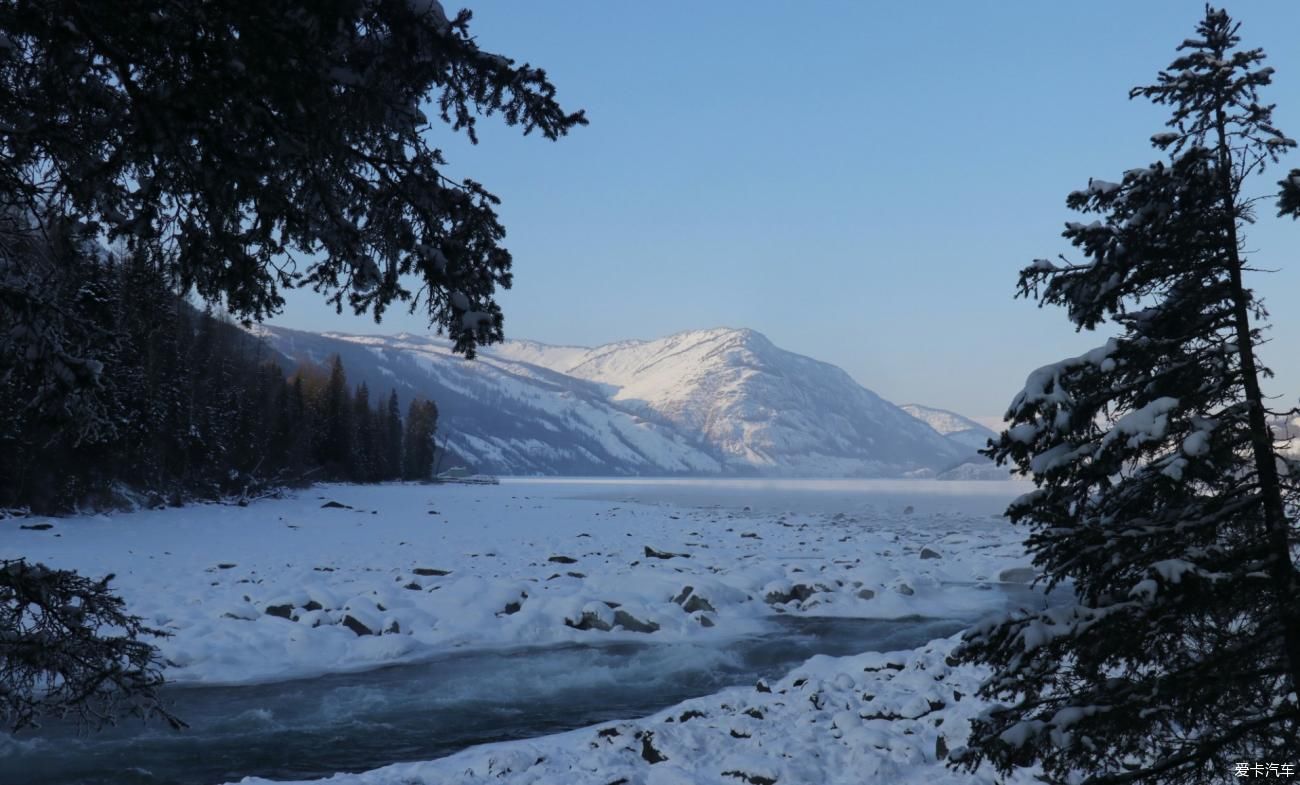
1276,526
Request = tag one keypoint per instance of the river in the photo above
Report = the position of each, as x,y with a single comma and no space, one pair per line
352,722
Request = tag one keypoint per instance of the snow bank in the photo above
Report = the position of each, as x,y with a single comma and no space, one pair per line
874,717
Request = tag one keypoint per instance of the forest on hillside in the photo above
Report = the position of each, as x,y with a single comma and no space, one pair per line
184,404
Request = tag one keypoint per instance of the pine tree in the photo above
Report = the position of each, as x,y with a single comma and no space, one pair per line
393,437
336,426
70,649
363,444
1158,494
418,446
298,459
225,139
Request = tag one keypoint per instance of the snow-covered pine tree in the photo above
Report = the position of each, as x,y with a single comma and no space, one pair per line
1158,492
69,649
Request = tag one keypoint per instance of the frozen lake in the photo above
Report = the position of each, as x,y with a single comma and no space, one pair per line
303,728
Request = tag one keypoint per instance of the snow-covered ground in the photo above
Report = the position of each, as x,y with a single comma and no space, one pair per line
344,578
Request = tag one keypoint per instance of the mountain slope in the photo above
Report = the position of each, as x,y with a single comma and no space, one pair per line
502,416
762,408
703,402
962,430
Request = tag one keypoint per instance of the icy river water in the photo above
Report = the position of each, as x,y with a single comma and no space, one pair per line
352,722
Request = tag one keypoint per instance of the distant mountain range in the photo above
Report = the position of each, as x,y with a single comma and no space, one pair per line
962,430
705,402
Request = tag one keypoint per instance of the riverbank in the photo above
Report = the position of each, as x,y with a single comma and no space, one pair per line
871,718
342,579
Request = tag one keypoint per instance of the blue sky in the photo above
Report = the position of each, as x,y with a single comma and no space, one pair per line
860,181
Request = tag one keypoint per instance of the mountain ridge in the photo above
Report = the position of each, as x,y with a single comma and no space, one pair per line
722,401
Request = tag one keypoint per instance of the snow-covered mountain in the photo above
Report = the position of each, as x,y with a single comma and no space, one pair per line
719,401
968,435
962,430
761,408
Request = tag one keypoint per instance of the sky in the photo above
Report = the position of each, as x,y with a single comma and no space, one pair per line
859,181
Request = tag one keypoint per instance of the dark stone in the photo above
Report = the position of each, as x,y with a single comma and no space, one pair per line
576,574
799,591
512,608
866,594
908,510
893,666
751,536
413,586
393,629
683,594
762,687
940,748
562,559
430,572
632,623
332,505
690,715
930,553
312,605
37,527
225,566
735,734
755,713
698,603
606,733
888,716
282,611
356,626
705,621
648,751
752,779
651,553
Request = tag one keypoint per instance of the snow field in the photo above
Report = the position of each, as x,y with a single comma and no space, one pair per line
287,588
